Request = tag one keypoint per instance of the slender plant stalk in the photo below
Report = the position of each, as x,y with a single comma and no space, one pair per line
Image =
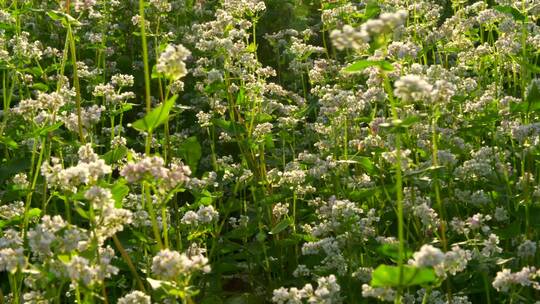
129,262
76,82
399,189
147,93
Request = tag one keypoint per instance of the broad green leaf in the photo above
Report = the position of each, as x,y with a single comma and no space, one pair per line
392,251
156,117
510,10
124,108
32,213
533,97
8,141
156,284
46,130
388,276
273,198
372,10
64,258
63,17
241,97
113,156
365,163
232,128
360,65
119,191
40,87
82,212
282,225
360,194
190,150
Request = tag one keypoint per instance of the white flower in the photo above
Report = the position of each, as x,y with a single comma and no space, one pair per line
170,265
207,214
171,61
412,88
135,297
428,256
12,259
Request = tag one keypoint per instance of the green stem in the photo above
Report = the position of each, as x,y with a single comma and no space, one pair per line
148,100
76,83
399,188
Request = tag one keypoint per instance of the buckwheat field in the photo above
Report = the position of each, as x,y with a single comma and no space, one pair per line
269,151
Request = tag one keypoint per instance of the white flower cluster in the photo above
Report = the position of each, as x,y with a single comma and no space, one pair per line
205,215
44,109
9,211
327,292
239,8
12,259
111,91
87,171
171,265
280,209
382,293
171,61
428,256
89,116
452,262
135,297
412,88
83,5
505,279
358,38
11,252
109,219
81,270
154,167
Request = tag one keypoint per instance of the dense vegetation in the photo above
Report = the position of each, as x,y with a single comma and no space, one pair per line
276,151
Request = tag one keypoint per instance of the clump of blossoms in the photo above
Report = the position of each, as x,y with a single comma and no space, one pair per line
12,256
135,297
205,215
506,279
171,61
327,291
171,265
109,220
152,168
358,38
87,171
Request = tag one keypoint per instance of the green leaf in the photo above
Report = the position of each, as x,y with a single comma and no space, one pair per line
156,284
232,128
8,141
388,276
191,152
123,108
64,258
533,97
365,163
119,191
360,65
40,87
392,251
63,17
113,156
510,10
156,117
32,213
241,97
273,198
282,225
46,130
82,212
372,10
